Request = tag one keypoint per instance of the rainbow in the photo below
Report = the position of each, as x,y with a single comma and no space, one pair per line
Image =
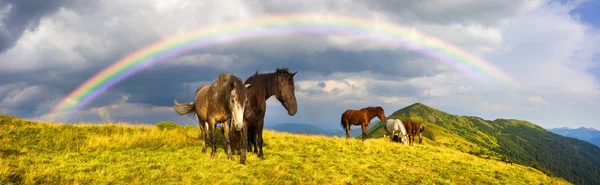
393,34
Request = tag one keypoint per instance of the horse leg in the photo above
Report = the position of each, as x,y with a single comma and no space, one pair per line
202,135
392,136
244,137
213,137
347,131
420,138
252,139
227,139
206,137
347,128
364,133
260,139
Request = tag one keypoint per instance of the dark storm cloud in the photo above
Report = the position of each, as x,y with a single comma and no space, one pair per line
160,84
23,15
386,63
449,12
394,90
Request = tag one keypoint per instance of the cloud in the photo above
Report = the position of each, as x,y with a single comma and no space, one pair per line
537,99
53,50
17,16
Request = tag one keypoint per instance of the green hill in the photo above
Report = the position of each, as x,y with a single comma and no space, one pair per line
521,141
51,153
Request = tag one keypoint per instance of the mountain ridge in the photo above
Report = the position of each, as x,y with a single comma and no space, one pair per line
520,141
590,135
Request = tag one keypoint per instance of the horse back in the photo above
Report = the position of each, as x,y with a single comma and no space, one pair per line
354,116
202,102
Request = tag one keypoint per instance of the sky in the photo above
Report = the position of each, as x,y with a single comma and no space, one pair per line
551,48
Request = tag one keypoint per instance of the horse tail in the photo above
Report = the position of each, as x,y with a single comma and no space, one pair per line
186,108
342,121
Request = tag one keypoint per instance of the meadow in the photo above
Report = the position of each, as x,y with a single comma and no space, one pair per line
117,153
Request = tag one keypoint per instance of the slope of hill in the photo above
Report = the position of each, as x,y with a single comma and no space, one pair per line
48,153
587,134
520,141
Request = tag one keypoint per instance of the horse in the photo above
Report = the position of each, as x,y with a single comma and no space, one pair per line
279,84
224,102
413,129
395,127
361,117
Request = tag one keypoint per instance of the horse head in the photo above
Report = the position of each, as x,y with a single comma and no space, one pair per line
380,114
237,102
286,94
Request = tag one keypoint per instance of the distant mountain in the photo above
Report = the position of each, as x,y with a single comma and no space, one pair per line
303,128
586,134
520,141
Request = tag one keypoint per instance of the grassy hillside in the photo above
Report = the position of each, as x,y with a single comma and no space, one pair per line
49,153
520,141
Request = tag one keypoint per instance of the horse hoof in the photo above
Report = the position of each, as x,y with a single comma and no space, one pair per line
212,155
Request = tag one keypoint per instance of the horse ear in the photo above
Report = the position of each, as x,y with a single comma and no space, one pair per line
294,73
248,85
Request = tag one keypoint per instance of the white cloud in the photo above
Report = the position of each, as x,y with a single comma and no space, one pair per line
537,42
537,99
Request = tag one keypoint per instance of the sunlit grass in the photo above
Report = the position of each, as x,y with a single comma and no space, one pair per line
50,153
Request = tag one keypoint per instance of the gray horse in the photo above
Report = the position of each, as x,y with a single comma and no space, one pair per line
221,102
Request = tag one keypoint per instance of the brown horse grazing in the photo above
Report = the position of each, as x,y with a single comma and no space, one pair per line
414,129
281,85
221,102
361,117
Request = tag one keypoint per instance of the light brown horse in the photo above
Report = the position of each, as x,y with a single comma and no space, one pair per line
361,117
279,84
414,129
221,102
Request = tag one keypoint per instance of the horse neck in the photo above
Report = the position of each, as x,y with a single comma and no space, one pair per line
371,113
269,84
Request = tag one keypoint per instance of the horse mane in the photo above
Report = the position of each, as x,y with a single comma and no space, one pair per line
266,80
371,108
224,85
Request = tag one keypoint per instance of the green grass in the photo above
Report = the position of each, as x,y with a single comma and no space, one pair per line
52,153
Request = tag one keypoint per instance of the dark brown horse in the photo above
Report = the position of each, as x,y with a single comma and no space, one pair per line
361,117
279,84
414,129
221,102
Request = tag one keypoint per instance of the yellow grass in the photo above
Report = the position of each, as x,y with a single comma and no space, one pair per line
47,153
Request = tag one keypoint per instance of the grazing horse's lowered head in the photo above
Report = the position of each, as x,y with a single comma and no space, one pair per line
395,127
